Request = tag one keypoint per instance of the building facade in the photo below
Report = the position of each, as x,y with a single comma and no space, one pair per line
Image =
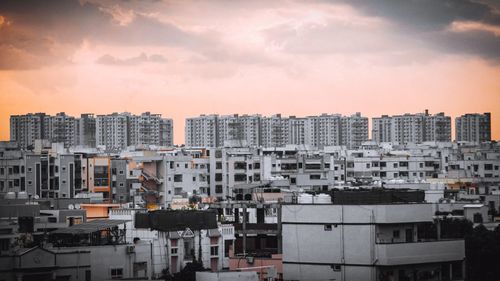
412,128
473,127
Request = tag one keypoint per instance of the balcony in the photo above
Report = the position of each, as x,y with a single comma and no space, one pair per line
420,252
256,228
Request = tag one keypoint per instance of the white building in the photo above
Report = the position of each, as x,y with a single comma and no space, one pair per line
201,131
119,130
473,127
366,242
412,128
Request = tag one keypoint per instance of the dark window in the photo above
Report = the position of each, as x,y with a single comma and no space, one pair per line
328,227
395,234
214,250
178,178
116,273
240,177
218,188
314,177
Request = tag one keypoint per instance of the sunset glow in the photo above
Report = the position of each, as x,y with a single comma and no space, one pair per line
186,58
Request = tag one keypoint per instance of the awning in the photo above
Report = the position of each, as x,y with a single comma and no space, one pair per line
89,227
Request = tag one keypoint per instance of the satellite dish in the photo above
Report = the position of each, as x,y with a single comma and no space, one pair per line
77,206
71,207
37,197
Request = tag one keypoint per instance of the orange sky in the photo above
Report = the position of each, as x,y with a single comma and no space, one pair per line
295,58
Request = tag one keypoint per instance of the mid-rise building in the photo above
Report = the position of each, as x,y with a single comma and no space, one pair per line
473,127
357,241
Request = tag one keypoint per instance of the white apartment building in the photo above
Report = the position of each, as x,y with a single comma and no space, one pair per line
25,129
275,130
366,242
473,127
201,131
230,167
112,131
354,130
296,134
412,128
64,129
119,130
240,129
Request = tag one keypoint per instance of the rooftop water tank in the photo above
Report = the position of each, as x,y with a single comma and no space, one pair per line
322,199
22,195
10,195
305,199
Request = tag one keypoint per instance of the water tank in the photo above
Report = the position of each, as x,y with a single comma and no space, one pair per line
22,195
10,195
305,199
322,199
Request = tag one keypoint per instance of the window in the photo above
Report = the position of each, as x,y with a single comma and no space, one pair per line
116,273
173,251
314,177
218,165
488,167
395,165
395,234
178,178
218,177
186,165
383,164
218,188
30,182
120,172
194,178
328,227
240,177
121,184
214,250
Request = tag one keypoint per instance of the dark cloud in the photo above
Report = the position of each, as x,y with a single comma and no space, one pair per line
427,14
142,58
429,21
48,32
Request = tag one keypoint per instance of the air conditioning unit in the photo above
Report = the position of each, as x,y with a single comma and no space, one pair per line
130,249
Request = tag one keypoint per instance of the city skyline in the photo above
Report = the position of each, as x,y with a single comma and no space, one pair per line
184,59
119,130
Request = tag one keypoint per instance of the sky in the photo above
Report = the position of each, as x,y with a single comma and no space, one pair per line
186,58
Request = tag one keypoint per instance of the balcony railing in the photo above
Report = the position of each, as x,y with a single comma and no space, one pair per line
420,252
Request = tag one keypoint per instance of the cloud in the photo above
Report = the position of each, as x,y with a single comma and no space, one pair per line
142,58
37,29
431,21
